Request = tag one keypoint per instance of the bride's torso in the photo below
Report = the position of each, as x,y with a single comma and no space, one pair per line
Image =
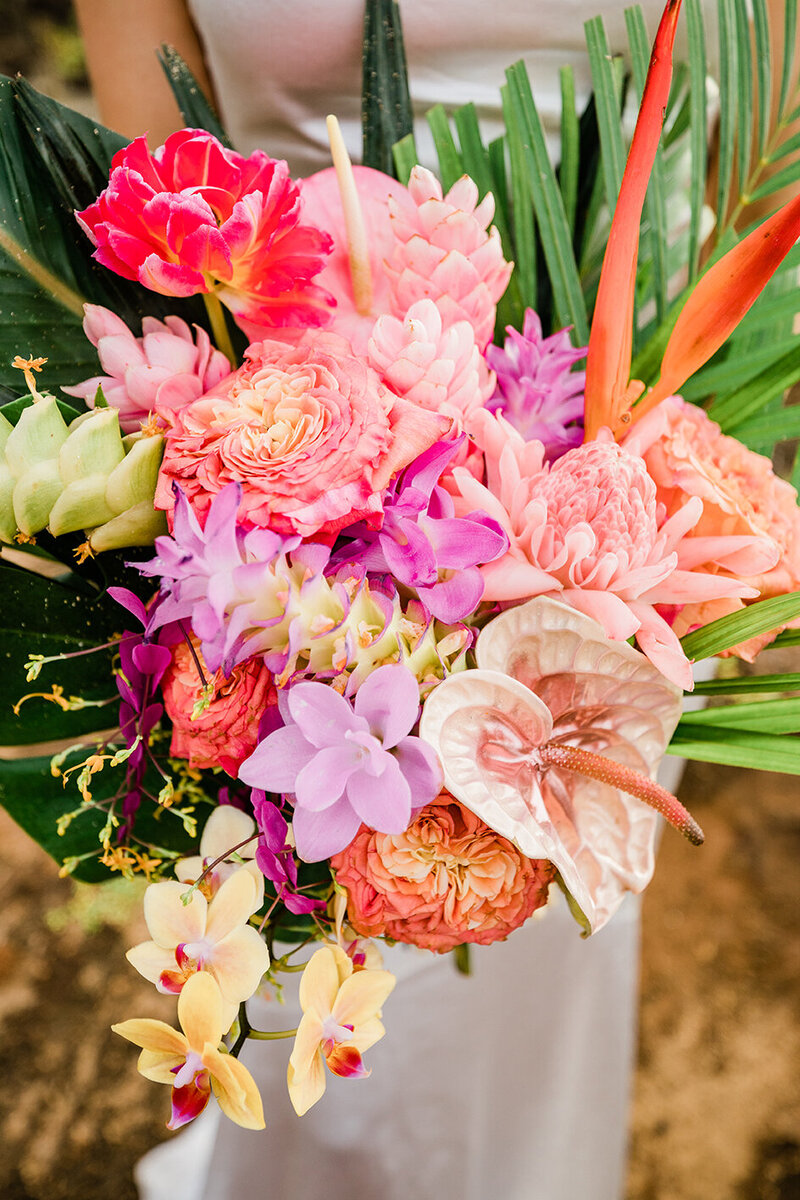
280,68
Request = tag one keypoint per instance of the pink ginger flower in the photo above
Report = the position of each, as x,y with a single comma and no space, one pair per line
308,430
195,217
443,251
588,530
750,523
435,366
165,368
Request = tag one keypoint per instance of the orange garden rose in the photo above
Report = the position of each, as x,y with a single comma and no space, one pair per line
447,880
226,732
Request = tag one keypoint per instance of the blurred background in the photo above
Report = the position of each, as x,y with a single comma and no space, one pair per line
716,1111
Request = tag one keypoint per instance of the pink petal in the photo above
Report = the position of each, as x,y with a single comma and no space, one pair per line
322,781
318,835
388,700
274,764
383,803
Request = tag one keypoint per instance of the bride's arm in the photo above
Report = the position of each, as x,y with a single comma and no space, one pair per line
121,38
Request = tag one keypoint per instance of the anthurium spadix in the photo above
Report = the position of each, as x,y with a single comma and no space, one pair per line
554,741
718,302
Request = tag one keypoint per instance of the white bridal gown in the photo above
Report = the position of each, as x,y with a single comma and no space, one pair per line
512,1084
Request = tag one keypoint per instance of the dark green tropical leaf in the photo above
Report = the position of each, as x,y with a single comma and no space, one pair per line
386,114
196,110
569,168
43,616
698,124
451,167
729,104
36,799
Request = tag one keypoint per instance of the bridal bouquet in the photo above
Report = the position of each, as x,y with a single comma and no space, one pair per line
398,617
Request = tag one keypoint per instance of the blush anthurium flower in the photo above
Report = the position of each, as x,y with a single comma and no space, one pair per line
192,1062
554,742
341,1019
166,367
194,217
348,763
203,936
537,390
424,545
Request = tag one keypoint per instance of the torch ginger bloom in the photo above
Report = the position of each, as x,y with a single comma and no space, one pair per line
348,763
165,368
195,217
341,1019
553,742
191,1062
204,936
588,530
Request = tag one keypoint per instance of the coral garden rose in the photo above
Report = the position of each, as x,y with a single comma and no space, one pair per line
308,430
194,217
226,732
447,880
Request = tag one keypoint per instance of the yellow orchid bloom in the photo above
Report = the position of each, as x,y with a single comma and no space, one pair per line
192,1062
341,1011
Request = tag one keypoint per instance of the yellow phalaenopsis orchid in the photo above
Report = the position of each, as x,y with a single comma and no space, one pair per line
341,1019
192,1062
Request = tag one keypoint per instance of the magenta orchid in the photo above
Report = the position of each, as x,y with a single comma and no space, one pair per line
424,545
347,764
537,390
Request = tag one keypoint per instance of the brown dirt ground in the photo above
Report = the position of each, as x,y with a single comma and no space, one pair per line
717,1107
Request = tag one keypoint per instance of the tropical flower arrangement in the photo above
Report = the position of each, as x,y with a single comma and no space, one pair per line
399,617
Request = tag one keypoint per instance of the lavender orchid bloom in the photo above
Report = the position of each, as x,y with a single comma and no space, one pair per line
537,390
347,764
424,545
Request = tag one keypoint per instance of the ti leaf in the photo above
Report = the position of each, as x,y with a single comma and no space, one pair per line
386,114
755,619
195,109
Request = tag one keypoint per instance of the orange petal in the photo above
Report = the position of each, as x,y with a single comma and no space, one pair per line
609,359
721,299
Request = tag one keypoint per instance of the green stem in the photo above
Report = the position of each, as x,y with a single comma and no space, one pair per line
219,326
262,1036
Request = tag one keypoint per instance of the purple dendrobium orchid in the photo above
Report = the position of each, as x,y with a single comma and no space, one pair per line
274,856
144,657
347,764
537,390
198,568
424,545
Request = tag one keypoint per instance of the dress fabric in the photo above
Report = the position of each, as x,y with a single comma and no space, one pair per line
513,1083
279,68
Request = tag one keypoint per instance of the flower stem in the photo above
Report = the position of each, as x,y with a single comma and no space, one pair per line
634,783
274,1035
219,326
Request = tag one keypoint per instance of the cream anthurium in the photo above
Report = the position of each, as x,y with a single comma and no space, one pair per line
554,741
341,1019
226,828
209,936
191,1062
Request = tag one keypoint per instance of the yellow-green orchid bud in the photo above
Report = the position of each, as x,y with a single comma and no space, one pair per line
92,448
137,526
37,437
81,504
35,494
134,479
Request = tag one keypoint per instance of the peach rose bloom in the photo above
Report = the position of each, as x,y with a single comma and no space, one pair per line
447,880
226,733
308,430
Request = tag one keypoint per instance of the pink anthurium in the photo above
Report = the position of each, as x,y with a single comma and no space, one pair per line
553,742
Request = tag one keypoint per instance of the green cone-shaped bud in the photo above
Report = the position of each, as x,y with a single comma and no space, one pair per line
84,476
